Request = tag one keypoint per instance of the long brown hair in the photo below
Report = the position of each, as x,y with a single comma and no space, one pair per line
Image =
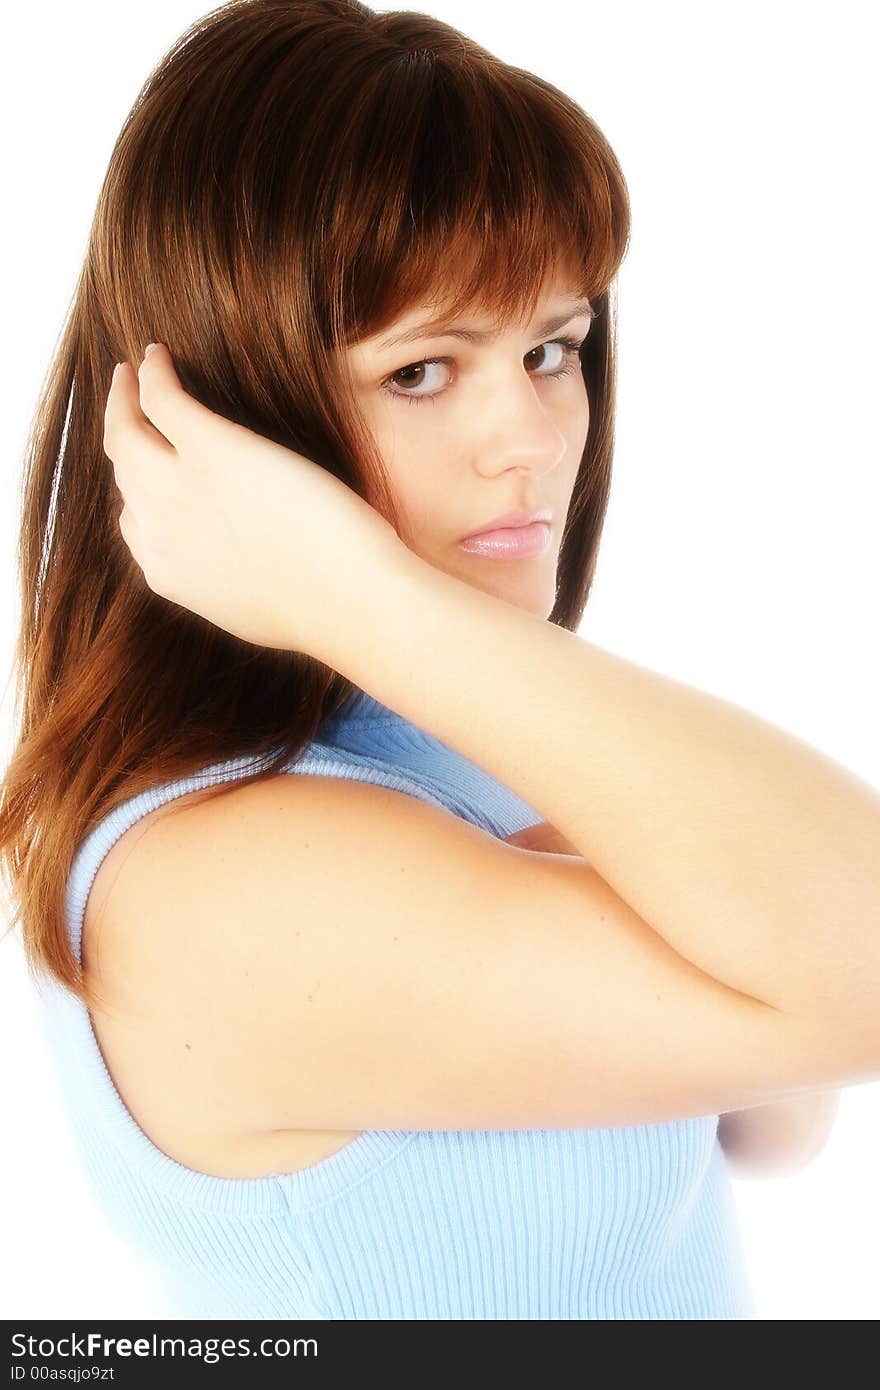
290,178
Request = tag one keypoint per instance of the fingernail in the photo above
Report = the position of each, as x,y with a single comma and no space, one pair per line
115,371
149,348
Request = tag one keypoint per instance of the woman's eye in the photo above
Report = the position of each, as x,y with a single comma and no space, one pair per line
408,382
556,343
410,379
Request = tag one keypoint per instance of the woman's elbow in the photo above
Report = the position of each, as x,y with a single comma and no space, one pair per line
779,1139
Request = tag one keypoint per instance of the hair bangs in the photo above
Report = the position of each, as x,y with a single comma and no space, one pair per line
488,190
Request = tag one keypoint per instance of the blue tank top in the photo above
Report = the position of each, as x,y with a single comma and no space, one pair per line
636,1221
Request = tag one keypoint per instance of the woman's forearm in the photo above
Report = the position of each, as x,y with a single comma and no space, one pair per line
755,856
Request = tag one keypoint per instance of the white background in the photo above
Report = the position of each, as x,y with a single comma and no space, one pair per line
740,552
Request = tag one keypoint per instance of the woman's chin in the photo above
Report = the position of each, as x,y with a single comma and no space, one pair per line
526,585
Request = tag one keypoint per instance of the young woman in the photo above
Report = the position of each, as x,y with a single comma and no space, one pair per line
349,1043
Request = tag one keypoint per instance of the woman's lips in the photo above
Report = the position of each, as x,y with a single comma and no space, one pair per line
510,542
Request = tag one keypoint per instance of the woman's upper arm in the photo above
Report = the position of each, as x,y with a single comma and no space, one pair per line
331,954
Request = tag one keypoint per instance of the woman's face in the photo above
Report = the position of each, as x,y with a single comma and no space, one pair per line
469,430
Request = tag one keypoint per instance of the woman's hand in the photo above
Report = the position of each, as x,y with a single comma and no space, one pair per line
255,538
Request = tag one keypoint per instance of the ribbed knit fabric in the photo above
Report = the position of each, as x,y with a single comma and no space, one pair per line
628,1222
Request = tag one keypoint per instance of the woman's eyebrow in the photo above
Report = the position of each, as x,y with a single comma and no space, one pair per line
472,335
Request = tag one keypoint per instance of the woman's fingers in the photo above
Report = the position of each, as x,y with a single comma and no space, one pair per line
229,524
138,452
162,400
124,420
150,404
176,415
